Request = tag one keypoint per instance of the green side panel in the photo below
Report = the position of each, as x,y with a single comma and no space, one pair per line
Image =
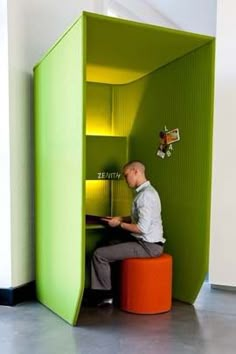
179,95
60,174
105,157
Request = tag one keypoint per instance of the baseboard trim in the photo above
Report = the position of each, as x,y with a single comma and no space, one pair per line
13,296
223,287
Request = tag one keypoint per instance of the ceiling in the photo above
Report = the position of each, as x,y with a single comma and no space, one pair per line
121,51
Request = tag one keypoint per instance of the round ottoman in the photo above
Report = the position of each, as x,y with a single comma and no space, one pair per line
146,284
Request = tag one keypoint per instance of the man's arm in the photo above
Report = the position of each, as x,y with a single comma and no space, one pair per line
124,222
115,221
130,227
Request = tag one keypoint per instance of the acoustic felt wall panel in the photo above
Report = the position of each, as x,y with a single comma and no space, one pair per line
105,156
98,109
98,197
122,197
60,174
179,95
120,51
98,122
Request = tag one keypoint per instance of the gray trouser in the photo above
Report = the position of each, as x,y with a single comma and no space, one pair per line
100,267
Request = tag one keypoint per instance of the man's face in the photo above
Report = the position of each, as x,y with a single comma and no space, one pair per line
130,177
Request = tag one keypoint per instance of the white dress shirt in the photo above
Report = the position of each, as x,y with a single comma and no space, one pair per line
146,213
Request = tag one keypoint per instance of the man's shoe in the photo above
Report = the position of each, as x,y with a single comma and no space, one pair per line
105,302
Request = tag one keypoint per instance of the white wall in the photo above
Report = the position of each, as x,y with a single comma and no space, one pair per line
5,232
223,234
140,11
33,27
190,15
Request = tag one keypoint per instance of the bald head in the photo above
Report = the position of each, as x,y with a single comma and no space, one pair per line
134,173
135,165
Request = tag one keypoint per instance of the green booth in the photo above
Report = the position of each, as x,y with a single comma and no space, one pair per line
103,93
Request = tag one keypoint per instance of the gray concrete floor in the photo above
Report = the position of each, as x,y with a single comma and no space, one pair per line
208,327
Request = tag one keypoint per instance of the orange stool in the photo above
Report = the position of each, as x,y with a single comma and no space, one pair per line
146,284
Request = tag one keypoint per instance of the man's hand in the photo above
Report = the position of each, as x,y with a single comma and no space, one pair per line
112,221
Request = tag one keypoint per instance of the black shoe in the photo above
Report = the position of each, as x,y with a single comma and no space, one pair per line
96,297
105,302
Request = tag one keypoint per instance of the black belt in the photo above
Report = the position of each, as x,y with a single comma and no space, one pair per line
159,243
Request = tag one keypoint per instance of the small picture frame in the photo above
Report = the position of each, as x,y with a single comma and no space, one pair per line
172,136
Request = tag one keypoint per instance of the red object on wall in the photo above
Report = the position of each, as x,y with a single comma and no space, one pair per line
146,284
